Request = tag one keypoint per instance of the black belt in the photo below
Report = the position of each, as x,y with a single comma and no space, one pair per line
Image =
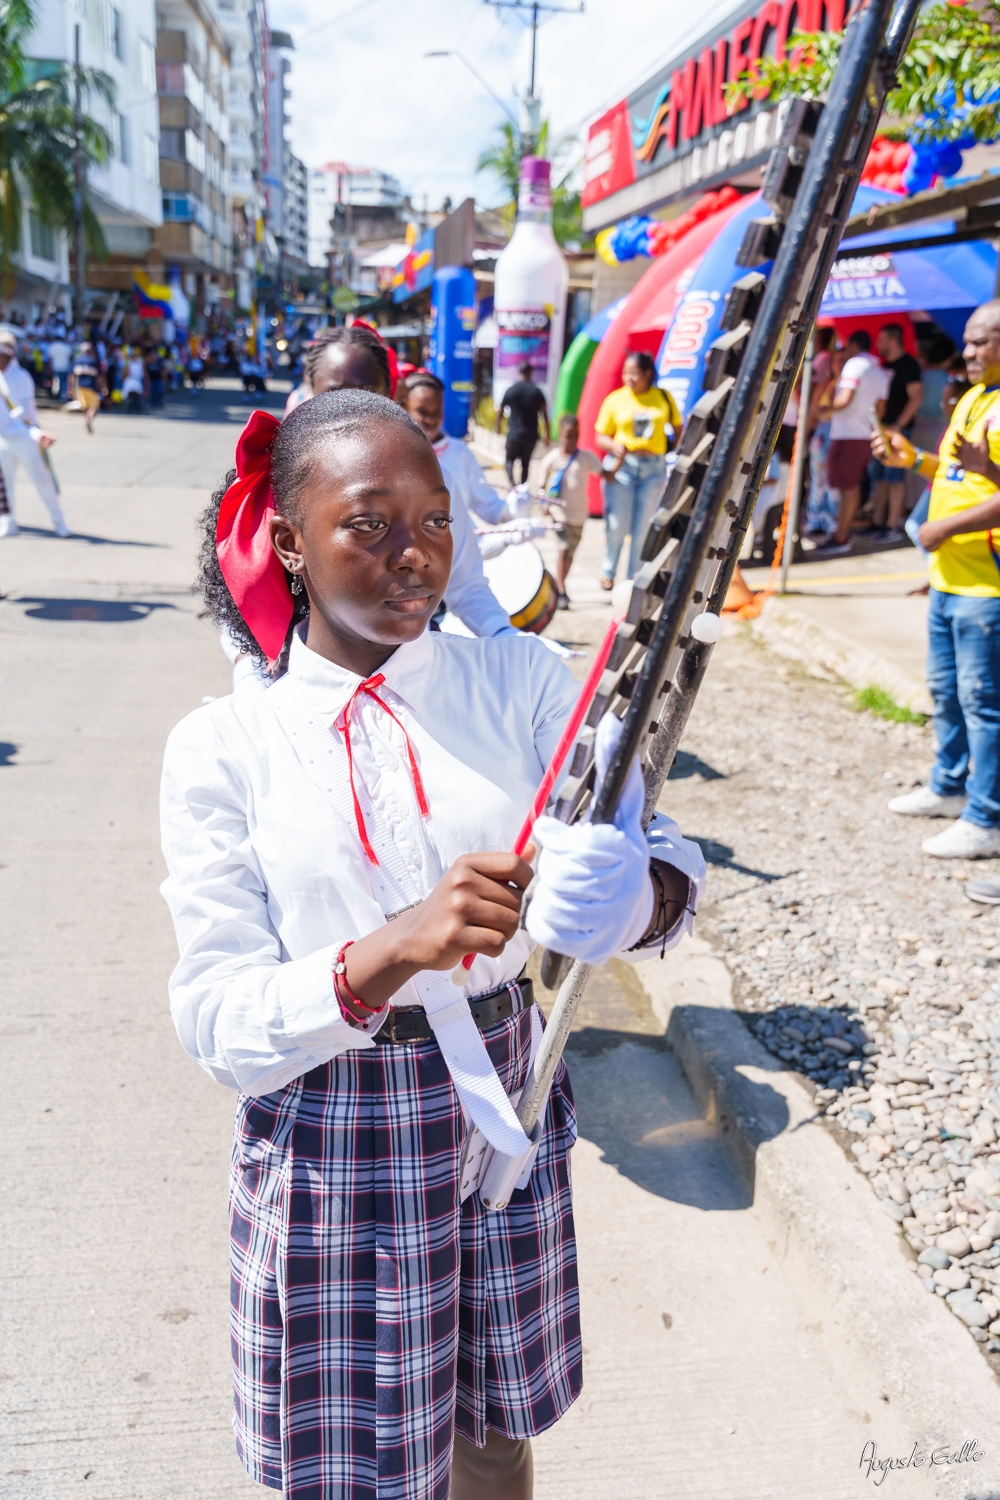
410,1023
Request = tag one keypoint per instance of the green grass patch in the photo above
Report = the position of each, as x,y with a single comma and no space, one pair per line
876,700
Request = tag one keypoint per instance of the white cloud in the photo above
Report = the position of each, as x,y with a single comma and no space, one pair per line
363,92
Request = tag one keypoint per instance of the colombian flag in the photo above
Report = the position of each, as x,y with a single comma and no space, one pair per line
154,298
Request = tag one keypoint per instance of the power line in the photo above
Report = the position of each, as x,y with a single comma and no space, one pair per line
345,15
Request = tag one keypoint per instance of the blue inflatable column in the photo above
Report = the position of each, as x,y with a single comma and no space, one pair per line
453,324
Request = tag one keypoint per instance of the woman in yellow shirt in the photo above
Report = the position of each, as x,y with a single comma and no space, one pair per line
632,429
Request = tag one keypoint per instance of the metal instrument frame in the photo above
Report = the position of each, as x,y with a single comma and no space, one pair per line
694,540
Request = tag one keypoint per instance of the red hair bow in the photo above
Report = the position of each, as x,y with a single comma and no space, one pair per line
250,565
389,350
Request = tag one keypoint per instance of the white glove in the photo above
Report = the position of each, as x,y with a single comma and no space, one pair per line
520,500
492,543
594,897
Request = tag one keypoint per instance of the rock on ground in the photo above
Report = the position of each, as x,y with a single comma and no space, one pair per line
856,959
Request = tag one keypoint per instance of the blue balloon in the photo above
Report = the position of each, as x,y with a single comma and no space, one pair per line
631,238
948,160
918,175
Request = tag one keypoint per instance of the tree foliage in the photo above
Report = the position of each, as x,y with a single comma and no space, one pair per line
37,139
947,85
502,157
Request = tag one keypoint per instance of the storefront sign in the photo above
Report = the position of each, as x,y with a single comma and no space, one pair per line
858,279
679,116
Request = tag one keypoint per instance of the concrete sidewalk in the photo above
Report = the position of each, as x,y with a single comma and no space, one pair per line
855,618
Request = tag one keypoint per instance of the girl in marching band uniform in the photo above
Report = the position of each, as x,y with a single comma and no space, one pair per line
335,845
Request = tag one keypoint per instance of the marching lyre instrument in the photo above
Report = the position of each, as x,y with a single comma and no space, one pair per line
660,653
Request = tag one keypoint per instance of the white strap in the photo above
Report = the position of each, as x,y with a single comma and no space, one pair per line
476,1080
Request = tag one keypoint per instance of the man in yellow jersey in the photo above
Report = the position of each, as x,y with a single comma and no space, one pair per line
962,534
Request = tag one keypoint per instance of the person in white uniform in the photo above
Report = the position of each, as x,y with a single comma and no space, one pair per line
423,398
22,439
334,846
356,359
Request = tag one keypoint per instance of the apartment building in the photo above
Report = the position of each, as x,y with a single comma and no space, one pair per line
296,230
244,26
192,74
352,212
285,178
119,39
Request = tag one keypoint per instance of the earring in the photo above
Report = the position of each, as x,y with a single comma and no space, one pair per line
296,584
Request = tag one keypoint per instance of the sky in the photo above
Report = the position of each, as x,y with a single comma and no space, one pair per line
363,92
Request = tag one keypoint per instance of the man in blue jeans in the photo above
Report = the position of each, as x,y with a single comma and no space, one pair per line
963,625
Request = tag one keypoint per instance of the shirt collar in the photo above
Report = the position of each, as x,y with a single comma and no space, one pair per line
329,687
440,443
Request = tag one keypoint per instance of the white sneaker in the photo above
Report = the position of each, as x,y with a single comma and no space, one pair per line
61,529
8,526
964,840
923,803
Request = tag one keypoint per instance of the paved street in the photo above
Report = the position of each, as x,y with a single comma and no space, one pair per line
704,1375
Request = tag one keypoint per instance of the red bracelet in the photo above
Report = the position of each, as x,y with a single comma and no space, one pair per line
341,987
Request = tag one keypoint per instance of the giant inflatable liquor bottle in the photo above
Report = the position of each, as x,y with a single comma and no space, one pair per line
529,300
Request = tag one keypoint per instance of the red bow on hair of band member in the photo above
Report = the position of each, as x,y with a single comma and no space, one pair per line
250,565
390,352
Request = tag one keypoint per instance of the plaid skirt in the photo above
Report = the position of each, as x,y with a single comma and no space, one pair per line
372,1314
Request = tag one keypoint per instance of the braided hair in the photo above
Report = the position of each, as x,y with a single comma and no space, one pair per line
357,336
422,377
295,456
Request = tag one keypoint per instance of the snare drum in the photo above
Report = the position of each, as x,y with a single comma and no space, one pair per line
524,586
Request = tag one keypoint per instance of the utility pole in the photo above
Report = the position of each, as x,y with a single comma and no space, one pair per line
531,105
79,183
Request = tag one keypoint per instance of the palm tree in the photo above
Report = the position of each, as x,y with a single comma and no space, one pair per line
503,158
37,140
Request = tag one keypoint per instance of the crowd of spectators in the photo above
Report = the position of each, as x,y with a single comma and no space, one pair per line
132,376
850,493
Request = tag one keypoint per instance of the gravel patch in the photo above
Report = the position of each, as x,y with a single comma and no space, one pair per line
856,959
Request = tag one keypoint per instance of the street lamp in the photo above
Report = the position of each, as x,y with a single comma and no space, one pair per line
532,104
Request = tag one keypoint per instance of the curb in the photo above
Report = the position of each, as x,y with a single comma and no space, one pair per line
789,633
905,1361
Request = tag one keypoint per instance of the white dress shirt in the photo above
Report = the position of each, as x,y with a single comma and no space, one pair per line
468,595
266,880
19,388
13,430
465,479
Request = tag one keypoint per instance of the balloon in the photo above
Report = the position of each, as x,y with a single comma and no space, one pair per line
948,161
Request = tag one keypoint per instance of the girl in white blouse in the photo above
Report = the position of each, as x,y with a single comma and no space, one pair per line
335,846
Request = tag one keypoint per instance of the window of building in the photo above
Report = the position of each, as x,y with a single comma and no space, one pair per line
117,33
185,208
147,65
151,158
177,208
170,78
43,240
124,143
172,144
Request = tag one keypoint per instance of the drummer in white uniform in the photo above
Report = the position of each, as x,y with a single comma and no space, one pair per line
423,399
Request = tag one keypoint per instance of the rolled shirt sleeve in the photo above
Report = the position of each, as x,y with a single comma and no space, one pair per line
468,594
251,1016
480,496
